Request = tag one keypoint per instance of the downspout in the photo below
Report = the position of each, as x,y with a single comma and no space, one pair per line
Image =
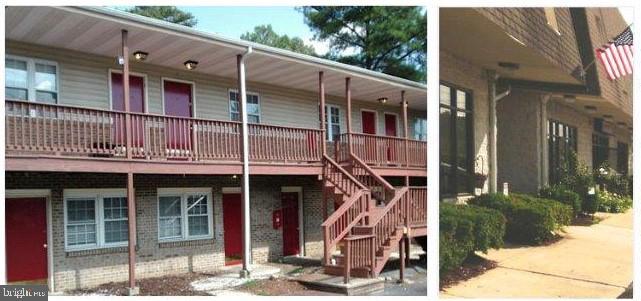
492,148
543,145
246,219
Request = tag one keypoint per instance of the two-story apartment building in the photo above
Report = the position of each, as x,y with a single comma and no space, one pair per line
520,87
127,155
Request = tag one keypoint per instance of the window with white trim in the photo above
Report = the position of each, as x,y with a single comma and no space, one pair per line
184,214
333,124
420,129
253,107
95,218
31,79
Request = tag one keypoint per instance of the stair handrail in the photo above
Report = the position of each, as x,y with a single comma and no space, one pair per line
344,172
394,206
389,190
332,234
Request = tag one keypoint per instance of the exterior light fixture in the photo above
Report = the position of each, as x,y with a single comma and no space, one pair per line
190,65
120,60
234,177
607,116
590,109
140,55
569,98
382,100
509,65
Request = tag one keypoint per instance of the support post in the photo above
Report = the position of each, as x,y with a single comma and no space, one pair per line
492,148
321,99
131,215
405,131
348,97
407,249
401,253
545,164
125,87
246,227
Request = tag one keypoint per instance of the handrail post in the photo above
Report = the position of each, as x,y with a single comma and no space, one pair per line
373,248
348,256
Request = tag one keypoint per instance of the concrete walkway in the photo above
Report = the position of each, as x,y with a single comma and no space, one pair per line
590,262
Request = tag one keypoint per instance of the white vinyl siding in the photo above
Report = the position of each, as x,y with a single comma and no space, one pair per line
185,214
95,218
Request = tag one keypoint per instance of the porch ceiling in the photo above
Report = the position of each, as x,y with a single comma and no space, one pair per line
97,31
471,36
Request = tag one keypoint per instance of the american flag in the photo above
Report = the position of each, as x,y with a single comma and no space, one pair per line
616,56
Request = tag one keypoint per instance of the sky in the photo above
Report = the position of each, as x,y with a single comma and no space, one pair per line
233,21
628,14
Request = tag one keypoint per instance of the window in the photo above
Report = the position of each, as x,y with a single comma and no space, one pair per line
622,158
184,214
600,150
457,140
333,124
31,79
562,141
253,107
95,218
420,129
550,16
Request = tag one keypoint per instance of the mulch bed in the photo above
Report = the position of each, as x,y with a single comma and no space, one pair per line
472,267
274,287
160,286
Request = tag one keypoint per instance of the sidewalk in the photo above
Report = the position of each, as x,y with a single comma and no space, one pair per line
591,261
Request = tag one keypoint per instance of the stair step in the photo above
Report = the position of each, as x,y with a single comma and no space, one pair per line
339,270
362,230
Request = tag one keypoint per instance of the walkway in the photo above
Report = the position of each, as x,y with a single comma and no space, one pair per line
591,261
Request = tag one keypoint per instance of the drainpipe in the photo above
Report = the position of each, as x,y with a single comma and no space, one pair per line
246,220
492,149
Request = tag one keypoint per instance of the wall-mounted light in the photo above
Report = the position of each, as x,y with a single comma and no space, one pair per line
234,177
382,100
190,65
509,65
140,55
590,109
569,98
120,60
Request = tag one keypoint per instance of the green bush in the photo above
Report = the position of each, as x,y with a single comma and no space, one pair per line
579,178
465,229
530,220
613,203
613,181
563,195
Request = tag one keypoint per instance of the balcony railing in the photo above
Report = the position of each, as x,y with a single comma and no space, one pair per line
73,131
382,150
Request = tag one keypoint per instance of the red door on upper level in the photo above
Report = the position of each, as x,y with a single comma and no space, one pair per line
178,102
291,242
368,120
232,226
390,131
137,104
26,239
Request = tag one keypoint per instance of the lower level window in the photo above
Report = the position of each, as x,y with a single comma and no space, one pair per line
184,214
95,218
600,150
562,143
623,158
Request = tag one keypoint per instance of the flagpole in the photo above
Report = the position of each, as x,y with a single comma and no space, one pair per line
595,58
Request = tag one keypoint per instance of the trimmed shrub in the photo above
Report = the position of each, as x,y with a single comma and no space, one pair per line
613,203
579,178
562,194
530,220
465,229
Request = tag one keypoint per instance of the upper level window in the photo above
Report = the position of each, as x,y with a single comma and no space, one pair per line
333,124
31,79
550,16
253,107
95,218
420,129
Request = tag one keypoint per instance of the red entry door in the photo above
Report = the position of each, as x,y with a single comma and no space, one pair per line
137,104
368,120
178,102
26,237
291,243
390,125
232,225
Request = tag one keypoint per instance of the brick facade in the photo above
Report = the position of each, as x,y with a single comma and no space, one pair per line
81,269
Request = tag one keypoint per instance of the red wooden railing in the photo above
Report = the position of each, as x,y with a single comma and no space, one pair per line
379,187
360,252
382,150
417,211
351,212
74,131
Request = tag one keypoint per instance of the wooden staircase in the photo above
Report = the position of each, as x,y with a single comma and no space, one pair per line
371,218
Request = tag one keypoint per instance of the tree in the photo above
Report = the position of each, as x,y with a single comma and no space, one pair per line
387,39
264,34
166,13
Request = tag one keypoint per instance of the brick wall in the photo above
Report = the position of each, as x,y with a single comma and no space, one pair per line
462,73
90,268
